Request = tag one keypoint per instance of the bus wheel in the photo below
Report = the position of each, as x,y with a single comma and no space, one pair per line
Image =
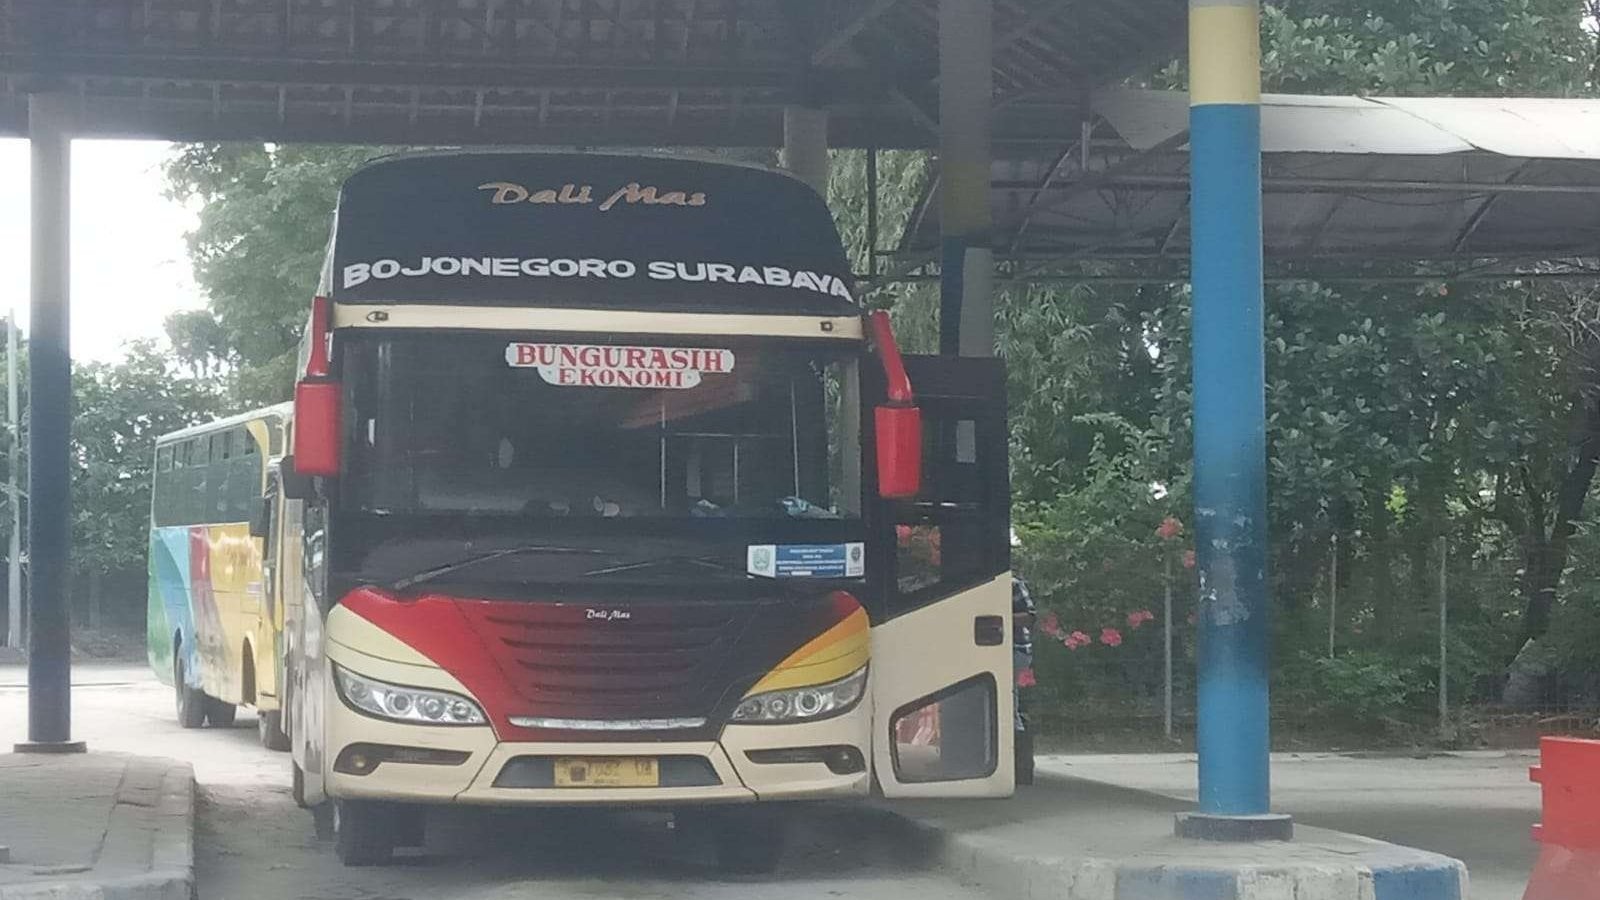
269,729
1024,757
220,714
321,813
364,832
748,841
191,701
297,785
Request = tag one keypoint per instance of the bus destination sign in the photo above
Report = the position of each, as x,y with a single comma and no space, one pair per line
590,365
587,231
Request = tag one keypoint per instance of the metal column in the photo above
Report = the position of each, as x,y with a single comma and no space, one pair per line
805,145
49,404
1230,464
966,101
14,551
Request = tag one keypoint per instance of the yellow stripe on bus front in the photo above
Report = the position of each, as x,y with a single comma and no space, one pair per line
830,656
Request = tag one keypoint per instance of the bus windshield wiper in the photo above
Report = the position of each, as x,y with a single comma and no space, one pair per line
458,565
699,561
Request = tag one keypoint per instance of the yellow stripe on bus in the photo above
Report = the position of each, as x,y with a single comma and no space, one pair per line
830,656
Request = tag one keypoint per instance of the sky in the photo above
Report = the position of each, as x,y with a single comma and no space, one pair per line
130,268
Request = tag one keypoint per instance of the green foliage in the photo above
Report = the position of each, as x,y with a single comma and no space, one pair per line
1361,689
902,179
1425,48
257,254
120,409
1398,414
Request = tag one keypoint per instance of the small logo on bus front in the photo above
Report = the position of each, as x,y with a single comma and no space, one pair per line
608,615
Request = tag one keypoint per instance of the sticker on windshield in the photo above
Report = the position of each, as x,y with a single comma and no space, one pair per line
807,560
590,365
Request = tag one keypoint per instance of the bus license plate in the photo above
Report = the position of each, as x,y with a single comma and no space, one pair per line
616,771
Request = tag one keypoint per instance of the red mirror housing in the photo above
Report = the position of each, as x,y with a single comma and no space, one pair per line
898,422
318,401
316,427
899,432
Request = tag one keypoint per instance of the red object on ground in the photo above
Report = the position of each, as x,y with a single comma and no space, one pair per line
1569,865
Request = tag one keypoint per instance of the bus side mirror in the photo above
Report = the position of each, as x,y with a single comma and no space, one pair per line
899,440
260,517
316,427
294,485
897,423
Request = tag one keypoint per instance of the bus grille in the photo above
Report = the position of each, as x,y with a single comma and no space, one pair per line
580,661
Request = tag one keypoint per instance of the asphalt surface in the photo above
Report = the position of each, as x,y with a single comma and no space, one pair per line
1474,806
254,844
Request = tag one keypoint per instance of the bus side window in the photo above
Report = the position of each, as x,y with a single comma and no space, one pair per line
216,492
161,488
199,454
244,480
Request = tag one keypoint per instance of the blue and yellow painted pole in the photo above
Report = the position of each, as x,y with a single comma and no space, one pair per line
1230,423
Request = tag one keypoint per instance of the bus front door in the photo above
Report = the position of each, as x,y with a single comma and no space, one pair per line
942,685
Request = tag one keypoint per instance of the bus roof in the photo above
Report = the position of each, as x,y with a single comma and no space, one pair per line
586,231
281,410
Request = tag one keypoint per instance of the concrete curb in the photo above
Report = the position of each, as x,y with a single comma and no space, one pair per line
151,833
1385,872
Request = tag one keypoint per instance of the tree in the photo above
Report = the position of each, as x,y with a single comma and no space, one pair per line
1398,414
120,409
257,254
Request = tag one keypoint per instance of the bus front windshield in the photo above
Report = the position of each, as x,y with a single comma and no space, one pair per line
546,427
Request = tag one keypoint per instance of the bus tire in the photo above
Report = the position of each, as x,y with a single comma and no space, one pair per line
1024,758
748,841
364,832
297,785
220,714
269,730
191,702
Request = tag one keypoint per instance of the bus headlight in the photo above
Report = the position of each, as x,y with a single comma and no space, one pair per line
804,704
419,706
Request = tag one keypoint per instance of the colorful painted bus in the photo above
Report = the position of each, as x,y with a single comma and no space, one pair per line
605,490
213,618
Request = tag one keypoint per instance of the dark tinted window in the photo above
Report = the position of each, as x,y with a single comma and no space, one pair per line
464,425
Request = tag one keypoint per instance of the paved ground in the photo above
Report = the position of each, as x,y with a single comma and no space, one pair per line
253,844
102,823
1475,807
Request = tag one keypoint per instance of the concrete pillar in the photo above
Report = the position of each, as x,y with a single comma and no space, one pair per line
805,145
966,102
1230,462
49,404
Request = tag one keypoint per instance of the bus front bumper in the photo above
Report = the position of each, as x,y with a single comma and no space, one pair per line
470,765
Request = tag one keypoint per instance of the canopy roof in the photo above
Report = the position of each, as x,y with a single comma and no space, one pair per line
1413,179
704,73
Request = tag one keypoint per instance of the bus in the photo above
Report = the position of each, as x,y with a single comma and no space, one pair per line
212,620
604,489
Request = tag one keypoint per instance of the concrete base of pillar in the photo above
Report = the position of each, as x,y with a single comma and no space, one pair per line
56,747
1234,829
1071,839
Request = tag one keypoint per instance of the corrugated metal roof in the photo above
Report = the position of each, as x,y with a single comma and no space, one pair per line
560,72
1351,177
